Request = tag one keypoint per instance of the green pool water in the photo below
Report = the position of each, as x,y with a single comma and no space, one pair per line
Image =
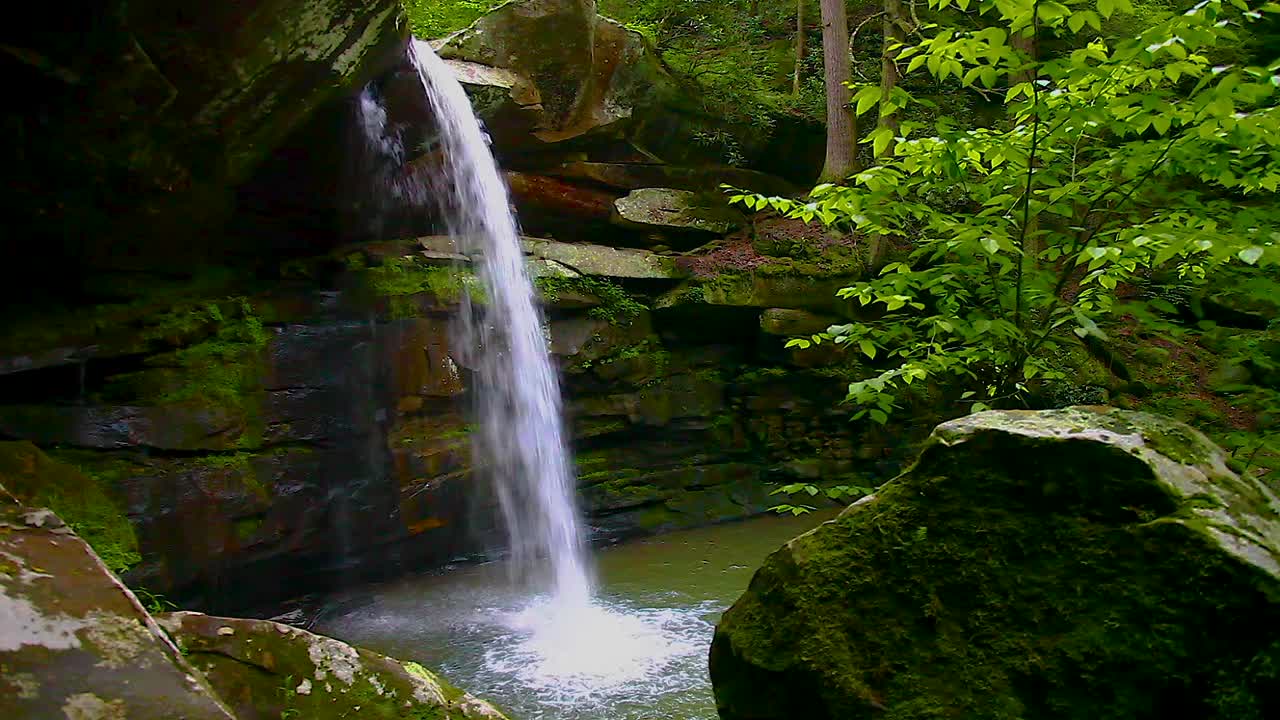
637,653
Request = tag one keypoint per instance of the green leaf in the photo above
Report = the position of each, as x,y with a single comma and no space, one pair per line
881,139
867,98
879,416
868,348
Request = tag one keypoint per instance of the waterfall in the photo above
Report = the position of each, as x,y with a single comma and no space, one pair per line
562,644
520,440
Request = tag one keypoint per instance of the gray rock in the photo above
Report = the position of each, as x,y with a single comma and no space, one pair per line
668,209
601,261
560,259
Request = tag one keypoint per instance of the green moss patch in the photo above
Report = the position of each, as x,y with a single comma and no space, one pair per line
617,306
82,500
437,18
264,669
401,279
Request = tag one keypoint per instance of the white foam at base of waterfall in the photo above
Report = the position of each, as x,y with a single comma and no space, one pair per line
574,657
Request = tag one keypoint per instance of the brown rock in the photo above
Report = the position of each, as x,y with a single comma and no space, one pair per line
550,194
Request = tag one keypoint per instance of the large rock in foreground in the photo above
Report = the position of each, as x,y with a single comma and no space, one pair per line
268,670
1076,564
74,642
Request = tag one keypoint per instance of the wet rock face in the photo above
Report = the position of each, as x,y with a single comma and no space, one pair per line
267,670
1081,563
317,434
74,642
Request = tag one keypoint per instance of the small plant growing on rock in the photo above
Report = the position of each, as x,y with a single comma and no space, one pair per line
155,603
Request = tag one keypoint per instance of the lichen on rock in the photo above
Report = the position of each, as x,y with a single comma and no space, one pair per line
74,642
265,670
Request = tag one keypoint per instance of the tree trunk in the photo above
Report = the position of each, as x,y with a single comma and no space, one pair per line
894,28
841,128
1031,245
795,80
894,24
1026,45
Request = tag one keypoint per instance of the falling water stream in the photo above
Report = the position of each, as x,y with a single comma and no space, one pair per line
520,440
544,637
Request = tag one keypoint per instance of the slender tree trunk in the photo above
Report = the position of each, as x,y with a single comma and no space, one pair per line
800,49
841,128
894,32
1026,43
894,24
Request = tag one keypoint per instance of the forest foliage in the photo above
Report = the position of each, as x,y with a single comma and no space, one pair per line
1117,161
1126,171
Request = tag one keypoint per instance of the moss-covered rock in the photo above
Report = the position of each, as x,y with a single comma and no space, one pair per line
74,642
599,260
788,288
265,670
1081,563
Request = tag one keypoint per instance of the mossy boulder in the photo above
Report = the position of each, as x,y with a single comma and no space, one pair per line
1083,563
74,641
266,670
